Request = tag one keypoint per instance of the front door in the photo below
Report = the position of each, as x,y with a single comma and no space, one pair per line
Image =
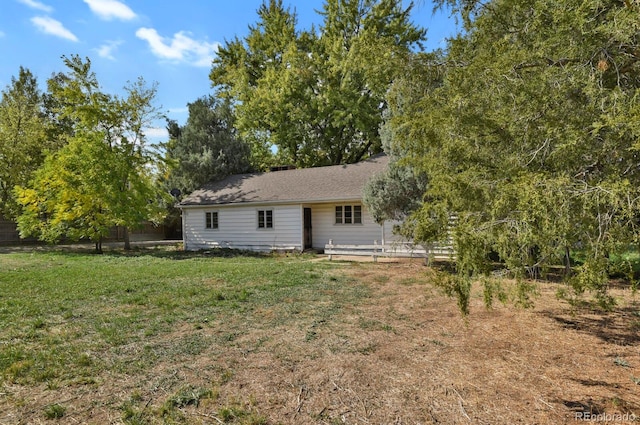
308,241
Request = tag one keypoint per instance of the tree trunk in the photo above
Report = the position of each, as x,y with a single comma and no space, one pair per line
127,241
534,257
99,245
567,262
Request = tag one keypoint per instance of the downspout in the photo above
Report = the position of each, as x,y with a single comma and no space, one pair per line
183,213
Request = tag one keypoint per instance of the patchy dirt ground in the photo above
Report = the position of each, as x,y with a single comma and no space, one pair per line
407,357
402,356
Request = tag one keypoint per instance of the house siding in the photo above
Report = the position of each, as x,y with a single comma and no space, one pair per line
389,237
238,228
325,228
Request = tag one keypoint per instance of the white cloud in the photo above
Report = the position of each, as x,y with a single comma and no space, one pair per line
50,26
106,50
156,132
181,110
181,48
37,5
111,9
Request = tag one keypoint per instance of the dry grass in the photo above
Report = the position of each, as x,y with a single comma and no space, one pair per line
402,354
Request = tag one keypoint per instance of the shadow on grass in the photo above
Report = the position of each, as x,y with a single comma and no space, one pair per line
166,250
583,408
184,255
620,327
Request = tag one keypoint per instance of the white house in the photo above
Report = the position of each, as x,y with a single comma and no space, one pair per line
285,210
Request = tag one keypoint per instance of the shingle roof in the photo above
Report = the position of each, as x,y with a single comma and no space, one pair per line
332,183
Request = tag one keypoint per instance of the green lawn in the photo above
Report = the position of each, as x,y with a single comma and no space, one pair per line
79,319
161,336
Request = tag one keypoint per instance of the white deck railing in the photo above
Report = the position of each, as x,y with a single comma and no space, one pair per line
395,249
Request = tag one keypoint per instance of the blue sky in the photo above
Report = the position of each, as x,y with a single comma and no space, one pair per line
168,42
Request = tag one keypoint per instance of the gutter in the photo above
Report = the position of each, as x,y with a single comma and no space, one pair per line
287,202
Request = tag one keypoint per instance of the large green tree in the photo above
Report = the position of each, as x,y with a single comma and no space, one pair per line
316,95
528,130
207,148
77,193
105,162
23,137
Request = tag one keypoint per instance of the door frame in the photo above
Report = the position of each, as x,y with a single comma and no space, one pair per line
307,233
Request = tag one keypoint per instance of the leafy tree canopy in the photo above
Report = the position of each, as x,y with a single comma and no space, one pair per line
23,137
103,176
207,148
315,95
77,193
527,127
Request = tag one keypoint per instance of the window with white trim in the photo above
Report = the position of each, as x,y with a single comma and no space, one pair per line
211,220
348,214
265,219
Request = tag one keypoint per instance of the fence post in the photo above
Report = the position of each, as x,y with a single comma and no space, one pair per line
428,254
375,251
330,249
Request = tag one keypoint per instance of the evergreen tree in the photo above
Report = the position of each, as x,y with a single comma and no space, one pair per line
206,148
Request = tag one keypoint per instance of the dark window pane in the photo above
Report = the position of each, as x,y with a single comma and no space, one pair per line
339,215
347,214
214,220
357,214
211,220
265,219
269,219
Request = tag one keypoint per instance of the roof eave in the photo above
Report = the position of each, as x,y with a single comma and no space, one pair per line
283,202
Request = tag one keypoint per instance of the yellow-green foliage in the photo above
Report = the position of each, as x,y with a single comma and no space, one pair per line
101,177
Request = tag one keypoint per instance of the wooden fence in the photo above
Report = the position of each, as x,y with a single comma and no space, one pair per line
9,234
